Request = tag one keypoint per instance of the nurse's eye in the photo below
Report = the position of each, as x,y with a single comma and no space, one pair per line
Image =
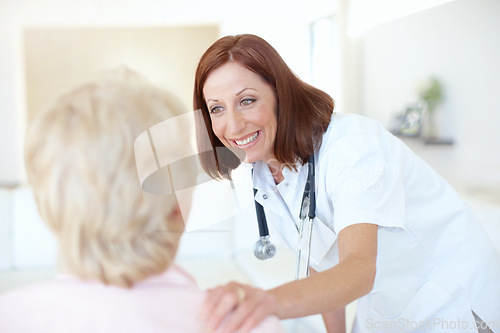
247,101
216,109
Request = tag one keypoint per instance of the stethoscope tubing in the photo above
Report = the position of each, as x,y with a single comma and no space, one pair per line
264,248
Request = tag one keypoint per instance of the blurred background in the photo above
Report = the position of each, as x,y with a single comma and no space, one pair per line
377,58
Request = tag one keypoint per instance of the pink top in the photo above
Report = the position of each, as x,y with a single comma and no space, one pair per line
164,303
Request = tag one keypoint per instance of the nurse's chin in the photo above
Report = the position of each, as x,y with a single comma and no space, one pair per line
252,157
248,160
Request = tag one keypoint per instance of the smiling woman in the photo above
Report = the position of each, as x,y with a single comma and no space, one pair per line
248,61
242,110
374,238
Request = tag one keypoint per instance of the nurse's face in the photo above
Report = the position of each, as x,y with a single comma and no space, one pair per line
242,108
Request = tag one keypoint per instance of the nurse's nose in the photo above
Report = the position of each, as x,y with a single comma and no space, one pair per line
235,122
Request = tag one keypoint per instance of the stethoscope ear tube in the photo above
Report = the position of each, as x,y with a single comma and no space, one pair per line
261,217
312,188
309,205
264,249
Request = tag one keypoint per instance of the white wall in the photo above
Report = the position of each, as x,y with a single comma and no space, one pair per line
458,42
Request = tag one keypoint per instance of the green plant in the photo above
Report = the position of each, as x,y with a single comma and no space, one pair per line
432,93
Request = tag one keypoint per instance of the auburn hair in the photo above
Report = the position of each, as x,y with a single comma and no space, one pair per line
303,111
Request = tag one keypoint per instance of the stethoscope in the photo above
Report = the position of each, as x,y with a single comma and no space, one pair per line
264,249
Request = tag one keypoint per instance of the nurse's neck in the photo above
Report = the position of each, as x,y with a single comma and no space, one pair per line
276,169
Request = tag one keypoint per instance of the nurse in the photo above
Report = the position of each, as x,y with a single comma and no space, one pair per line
389,231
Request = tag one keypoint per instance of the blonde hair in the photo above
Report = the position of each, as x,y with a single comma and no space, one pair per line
80,162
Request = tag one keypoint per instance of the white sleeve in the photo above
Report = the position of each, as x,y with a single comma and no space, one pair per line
365,183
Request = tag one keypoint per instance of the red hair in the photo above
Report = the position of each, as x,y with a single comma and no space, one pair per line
303,114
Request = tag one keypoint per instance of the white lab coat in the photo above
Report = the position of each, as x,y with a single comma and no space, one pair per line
434,263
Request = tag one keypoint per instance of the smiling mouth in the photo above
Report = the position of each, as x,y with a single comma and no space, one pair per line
248,140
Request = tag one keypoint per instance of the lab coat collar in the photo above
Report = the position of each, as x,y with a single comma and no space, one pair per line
262,177
267,191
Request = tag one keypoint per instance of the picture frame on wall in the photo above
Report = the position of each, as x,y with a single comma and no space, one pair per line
412,120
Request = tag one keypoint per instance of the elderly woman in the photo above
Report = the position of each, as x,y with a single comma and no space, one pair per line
388,230
116,243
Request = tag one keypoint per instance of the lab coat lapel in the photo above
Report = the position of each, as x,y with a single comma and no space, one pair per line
322,240
322,237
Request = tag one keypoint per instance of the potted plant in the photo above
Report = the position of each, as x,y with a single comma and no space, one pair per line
432,93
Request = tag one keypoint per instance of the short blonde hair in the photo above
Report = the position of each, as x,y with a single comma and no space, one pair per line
80,162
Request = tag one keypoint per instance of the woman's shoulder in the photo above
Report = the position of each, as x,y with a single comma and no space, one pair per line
67,300
352,124
23,293
24,303
67,287
353,135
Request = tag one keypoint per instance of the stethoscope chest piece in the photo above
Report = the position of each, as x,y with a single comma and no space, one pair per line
264,249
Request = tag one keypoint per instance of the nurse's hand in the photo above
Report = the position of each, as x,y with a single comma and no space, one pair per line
247,306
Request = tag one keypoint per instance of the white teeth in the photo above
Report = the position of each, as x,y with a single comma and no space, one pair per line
247,140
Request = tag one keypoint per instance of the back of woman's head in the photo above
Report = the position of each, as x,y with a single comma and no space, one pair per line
303,111
80,162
